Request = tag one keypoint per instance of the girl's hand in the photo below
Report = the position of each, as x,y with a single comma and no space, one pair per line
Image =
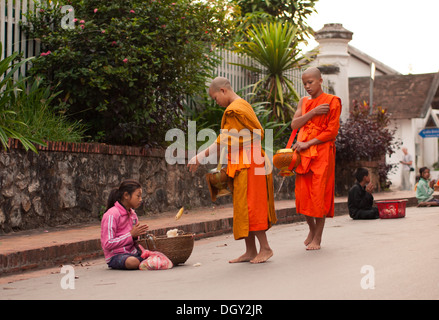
138,230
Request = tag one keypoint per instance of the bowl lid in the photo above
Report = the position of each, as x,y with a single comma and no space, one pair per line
284,151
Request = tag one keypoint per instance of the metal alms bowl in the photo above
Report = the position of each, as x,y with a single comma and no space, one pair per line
282,160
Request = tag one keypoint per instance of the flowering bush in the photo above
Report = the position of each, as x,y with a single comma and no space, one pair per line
126,64
364,136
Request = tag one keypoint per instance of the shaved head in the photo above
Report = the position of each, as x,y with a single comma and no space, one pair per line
313,71
221,91
220,83
312,81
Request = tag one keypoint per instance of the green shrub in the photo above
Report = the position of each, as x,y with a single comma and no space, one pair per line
126,65
31,104
10,127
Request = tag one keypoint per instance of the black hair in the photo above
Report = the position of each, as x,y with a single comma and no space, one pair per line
421,171
361,173
116,194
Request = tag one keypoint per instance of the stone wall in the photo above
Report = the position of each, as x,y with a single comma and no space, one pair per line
69,183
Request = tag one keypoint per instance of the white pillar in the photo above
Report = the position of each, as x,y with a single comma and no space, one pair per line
333,54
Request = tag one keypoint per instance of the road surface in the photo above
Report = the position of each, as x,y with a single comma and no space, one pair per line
375,259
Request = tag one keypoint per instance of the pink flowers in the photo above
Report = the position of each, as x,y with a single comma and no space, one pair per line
132,11
125,60
95,10
82,25
46,53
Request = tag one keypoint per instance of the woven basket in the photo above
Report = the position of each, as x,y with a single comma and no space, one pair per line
177,249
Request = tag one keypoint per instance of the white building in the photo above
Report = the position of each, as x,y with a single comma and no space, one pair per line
412,100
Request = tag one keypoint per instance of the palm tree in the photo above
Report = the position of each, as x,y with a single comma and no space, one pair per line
274,47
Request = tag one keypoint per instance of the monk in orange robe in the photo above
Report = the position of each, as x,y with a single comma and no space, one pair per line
317,117
253,195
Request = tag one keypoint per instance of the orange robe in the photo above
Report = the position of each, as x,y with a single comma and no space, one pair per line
253,195
315,179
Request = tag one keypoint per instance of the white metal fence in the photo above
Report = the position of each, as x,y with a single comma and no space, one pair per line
12,36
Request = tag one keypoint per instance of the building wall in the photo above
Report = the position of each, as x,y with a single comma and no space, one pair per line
359,68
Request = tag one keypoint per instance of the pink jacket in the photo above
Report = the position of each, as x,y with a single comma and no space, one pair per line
115,231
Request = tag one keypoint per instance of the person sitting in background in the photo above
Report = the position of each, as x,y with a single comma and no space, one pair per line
360,199
425,189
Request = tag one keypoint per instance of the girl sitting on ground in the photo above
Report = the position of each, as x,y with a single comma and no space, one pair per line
425,189
120,227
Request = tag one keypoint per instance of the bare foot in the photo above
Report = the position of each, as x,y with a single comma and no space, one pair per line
308,239
246,257
314,245
263,256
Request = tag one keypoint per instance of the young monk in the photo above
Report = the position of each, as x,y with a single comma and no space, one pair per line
253,196
317,116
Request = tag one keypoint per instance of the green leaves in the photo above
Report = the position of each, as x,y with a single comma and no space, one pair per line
10,127
274,47
270,10
131,63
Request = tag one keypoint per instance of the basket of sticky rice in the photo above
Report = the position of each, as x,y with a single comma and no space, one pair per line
176,245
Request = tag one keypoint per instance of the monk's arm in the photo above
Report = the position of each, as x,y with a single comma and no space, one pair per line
196,160
214,148
300,120
331,131
303,145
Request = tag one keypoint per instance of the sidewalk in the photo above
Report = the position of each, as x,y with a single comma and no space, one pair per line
36,249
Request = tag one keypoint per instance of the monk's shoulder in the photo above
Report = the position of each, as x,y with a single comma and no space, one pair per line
239,107
332,98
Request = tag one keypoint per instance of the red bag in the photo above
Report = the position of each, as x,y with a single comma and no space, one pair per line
154,260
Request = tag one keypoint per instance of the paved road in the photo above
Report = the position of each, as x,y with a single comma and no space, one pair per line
379,259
